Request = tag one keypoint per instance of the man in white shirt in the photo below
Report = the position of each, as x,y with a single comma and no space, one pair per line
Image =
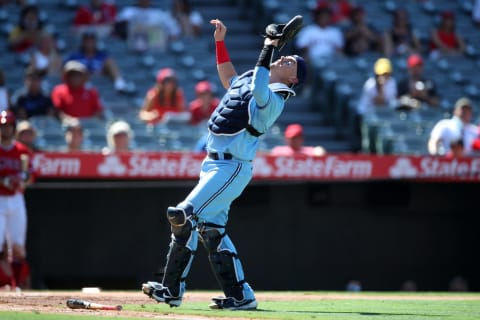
148,27
320,40
459,127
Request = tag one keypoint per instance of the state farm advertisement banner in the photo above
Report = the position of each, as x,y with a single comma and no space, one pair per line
187,166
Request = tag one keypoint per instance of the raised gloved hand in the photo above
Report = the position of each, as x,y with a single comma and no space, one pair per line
284,32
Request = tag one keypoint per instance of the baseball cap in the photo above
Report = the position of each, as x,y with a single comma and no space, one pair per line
165,73
203,86
301,70
7,117
74,66
119,127
414,60
382,66
293,130
24,125
463,102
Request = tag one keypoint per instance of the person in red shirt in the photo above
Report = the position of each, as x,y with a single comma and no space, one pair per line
165,97
98,15
202,107
73,98
15,174
294,139
445,40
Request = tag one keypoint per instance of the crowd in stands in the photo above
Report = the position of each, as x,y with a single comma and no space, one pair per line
343,29
58,81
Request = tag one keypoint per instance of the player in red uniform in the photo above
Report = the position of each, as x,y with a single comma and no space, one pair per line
15,174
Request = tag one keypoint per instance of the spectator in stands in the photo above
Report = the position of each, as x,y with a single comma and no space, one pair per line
98,15
190,21
400,39
31,100
295,140
26,134
146,27
165,97
415,89
379,91
459,127
73,99
119,136
27,32
321,39
476,12
202,107
4,95
45,57
341,10
445,40
360,36
73,135
97,61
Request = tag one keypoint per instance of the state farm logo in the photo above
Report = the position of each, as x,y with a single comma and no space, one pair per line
140,165
325,167
58,166
461,168
403,168
112,165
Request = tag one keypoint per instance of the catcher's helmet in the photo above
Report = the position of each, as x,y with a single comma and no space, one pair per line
7,117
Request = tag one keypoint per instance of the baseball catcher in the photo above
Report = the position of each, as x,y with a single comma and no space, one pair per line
253,102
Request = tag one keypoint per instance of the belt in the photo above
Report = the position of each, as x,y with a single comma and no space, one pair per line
220,156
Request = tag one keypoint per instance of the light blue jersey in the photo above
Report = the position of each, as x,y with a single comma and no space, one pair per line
265,107
222,181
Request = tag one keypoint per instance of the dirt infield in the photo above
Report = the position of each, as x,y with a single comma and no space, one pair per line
55,302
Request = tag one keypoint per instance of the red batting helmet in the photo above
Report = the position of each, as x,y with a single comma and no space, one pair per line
7,117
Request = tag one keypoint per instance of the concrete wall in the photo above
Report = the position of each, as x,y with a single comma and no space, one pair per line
302,235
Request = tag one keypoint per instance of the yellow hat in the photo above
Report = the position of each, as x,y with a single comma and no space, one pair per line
382,66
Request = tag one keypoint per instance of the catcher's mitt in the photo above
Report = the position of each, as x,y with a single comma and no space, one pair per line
284,32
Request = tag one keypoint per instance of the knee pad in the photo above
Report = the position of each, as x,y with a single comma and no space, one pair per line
223,259
178,216
211,238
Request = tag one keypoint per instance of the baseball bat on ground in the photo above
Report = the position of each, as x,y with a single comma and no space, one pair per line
82,304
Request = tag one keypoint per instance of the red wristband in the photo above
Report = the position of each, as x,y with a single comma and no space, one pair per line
221,51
